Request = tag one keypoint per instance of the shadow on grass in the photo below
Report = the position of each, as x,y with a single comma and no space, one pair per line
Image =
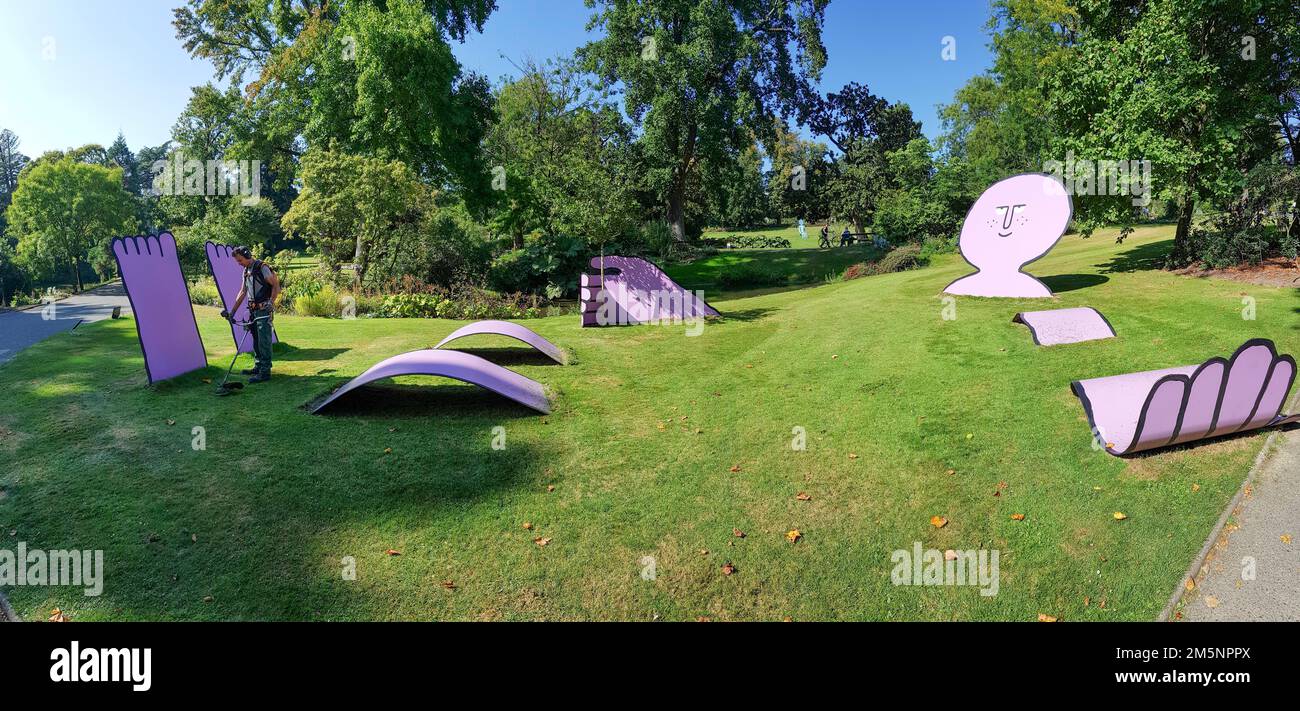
746,314
508,356
284,351
440,398
1059,283
1143,258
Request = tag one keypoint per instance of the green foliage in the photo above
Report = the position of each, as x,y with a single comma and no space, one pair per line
748,242
702,78
541,263
899,259
64,213
323,302
753,275
203,292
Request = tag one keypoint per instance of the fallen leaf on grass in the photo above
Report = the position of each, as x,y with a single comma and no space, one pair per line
938,521
170,422
541,541
728,568
56,615
950,472
528,526
1286,538
1017,517
793,535
852,455
735,468
1119,515
550,488
1190,584
449,585
1196,488
391,552
737,533
801,496
1046,618
208,598
388,450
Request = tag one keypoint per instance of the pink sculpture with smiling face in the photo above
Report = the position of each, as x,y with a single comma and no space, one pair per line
1015,222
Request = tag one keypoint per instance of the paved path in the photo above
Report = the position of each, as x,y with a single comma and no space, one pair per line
21,329
1267,532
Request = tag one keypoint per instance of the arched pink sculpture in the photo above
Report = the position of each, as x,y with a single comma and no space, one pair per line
229,277
1016,221
1157,408
160,302
461,366
629,290
511,330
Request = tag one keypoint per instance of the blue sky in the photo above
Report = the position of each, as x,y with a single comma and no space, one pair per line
78,71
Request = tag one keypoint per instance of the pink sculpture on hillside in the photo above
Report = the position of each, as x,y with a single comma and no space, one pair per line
1157,408
160,302
619,291
229,277
1060,326
1016,221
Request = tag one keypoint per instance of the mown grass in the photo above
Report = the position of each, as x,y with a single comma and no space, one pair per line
800,266
648,426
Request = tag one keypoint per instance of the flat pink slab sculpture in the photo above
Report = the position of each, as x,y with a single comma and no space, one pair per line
629,290
160,302
1053,328
511,330
229,277
1157,408
1016,221
465,367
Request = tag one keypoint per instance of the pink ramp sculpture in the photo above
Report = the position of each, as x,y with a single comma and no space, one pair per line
1158,408
465,367
1058,326
1016,221
628,290
512,330
229,277
160,301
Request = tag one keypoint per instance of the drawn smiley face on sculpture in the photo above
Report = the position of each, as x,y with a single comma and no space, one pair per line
1014,222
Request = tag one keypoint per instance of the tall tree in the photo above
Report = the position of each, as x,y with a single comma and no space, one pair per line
11,164
64,213
1176,83
702,78
866,129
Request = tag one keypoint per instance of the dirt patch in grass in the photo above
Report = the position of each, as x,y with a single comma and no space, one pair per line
1274,271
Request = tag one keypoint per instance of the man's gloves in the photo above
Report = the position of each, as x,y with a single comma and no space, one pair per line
225,315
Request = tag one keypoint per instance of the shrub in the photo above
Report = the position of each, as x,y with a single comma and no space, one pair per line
410,306
751,275
901,259
324,302
543,262
747,242
204,293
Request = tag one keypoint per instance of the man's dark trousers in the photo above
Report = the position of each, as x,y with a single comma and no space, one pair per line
262,330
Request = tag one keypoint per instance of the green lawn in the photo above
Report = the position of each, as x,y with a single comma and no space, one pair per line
805,266
648,425
788,230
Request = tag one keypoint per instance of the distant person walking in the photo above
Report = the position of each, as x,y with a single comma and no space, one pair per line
826,236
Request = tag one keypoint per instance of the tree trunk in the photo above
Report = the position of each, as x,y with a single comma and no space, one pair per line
76,272
359,260
857,225
1181,255
677,213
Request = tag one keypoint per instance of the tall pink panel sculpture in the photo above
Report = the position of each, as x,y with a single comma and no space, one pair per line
1015,222
164,320
229,277
1157,408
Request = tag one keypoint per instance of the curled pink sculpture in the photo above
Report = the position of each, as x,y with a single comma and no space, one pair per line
160,301
1060,326
511,330
1016,221
229,277
1157,408
629,290
465,367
